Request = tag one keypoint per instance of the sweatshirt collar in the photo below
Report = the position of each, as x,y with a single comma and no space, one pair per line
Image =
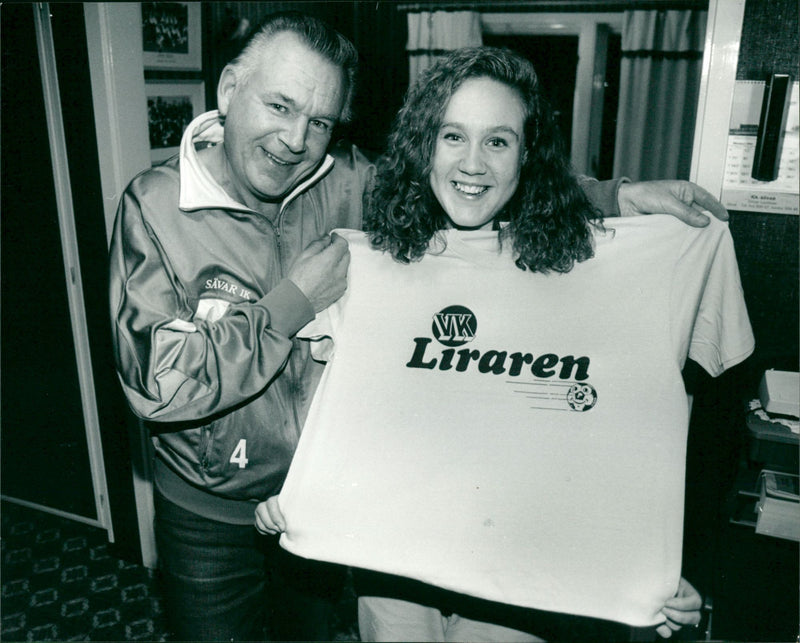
199,190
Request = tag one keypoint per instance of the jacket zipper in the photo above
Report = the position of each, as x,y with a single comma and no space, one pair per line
277,229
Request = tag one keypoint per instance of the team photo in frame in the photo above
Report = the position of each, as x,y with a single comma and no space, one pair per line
171,36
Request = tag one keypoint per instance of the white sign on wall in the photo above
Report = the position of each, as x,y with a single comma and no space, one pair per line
740,191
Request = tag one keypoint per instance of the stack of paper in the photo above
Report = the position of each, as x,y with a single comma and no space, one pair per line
779,506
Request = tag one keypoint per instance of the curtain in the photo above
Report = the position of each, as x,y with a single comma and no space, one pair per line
659,83
432,34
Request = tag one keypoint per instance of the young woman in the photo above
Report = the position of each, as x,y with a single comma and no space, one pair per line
475,148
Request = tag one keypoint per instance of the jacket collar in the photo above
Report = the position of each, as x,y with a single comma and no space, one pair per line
199,190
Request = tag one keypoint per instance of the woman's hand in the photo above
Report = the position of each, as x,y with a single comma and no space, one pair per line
680,610
269,519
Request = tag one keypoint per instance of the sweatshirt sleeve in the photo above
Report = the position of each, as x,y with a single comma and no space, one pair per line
603,194
176,368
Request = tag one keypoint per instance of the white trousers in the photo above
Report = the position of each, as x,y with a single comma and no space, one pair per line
391,619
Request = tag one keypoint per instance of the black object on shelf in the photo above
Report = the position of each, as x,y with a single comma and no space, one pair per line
771,127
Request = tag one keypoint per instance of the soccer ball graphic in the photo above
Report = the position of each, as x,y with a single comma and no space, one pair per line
581,397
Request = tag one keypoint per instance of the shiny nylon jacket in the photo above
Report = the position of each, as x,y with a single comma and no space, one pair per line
203,320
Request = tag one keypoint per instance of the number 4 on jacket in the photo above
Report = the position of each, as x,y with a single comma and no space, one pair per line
239,455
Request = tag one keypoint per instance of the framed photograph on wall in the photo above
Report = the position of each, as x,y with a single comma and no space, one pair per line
172,36
171,106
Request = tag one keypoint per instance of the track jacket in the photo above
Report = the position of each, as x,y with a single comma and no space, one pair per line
204,320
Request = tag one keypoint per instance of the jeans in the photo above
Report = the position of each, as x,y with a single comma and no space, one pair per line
224,582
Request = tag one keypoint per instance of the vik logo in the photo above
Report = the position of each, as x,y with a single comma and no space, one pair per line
454,326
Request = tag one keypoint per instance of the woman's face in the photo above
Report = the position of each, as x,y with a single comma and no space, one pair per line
478,152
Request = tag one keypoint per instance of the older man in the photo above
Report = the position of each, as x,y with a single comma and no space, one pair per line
218,257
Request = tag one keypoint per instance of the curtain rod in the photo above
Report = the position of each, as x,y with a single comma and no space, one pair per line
552,5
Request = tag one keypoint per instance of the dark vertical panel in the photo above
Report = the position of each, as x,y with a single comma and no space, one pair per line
380,34
69,34
44,449
605,167
769,39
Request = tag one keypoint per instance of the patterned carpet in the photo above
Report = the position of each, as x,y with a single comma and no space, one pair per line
60,583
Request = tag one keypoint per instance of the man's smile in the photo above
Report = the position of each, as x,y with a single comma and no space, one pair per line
276,160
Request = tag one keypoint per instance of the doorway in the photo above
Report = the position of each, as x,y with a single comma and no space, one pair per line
59,389
555,58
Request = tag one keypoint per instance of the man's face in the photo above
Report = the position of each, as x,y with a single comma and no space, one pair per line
279,120
478,154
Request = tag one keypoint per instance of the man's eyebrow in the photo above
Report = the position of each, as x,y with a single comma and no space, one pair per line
334,118
282,98
293,103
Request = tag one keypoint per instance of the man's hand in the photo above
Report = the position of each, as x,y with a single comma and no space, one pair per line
321,271
269,519
682,609
682,199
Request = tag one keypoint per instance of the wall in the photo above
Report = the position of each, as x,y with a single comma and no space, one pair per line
767,244
752,578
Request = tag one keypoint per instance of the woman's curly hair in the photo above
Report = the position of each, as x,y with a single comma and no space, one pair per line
549,216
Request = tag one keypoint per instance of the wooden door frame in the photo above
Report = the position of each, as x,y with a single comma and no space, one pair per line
116,65
715,100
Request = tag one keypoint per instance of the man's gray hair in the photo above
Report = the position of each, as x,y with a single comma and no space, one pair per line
317,36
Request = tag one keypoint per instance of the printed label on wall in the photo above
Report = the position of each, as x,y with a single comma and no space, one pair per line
740,191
